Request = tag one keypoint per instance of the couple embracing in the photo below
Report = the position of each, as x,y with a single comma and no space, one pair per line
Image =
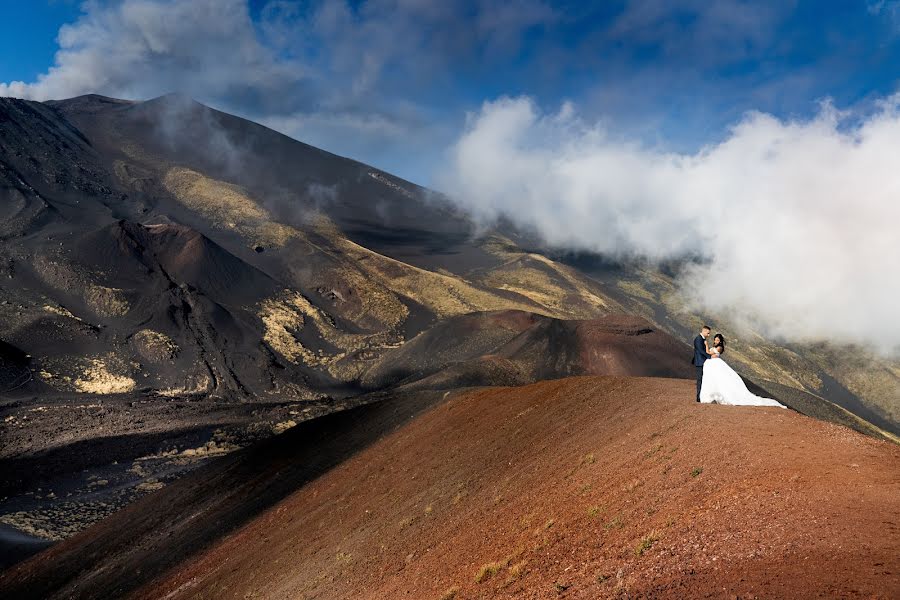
718,383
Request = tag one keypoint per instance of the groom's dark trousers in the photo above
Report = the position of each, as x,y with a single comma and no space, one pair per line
700,356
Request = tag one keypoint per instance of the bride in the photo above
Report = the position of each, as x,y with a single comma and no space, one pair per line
722,385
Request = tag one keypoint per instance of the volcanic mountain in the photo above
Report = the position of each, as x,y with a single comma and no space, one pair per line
177,283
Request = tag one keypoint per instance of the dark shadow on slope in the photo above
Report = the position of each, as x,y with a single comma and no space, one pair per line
16,546
23,473
15,373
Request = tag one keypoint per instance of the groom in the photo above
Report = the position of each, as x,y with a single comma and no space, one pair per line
700,356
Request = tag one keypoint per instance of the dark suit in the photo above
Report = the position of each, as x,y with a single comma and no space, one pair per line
700,356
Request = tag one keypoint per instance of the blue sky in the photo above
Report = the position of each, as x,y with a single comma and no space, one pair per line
28,36
390,82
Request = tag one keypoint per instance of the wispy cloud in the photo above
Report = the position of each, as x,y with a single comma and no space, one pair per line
889,9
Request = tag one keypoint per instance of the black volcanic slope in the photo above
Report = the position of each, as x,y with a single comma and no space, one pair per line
370,206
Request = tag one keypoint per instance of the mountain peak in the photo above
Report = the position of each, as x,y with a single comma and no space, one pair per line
90,100
175,98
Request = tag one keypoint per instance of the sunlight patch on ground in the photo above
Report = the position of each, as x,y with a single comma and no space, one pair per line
228,206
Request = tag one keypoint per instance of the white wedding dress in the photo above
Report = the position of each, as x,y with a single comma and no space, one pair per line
722,385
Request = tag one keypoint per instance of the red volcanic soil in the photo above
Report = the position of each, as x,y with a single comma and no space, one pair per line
512,347
586,487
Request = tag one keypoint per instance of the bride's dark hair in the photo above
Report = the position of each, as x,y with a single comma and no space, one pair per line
721,345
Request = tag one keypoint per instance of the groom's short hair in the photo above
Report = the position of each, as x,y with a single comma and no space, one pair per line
706,328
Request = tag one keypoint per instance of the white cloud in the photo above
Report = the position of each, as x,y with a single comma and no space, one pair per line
798,219
143,48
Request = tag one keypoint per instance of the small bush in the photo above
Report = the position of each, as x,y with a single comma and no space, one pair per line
516,571
487,571
646,543
450,594
653,451
696,471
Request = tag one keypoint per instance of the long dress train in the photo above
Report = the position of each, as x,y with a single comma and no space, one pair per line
722,385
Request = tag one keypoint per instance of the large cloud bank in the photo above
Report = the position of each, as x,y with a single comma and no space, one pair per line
798,222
